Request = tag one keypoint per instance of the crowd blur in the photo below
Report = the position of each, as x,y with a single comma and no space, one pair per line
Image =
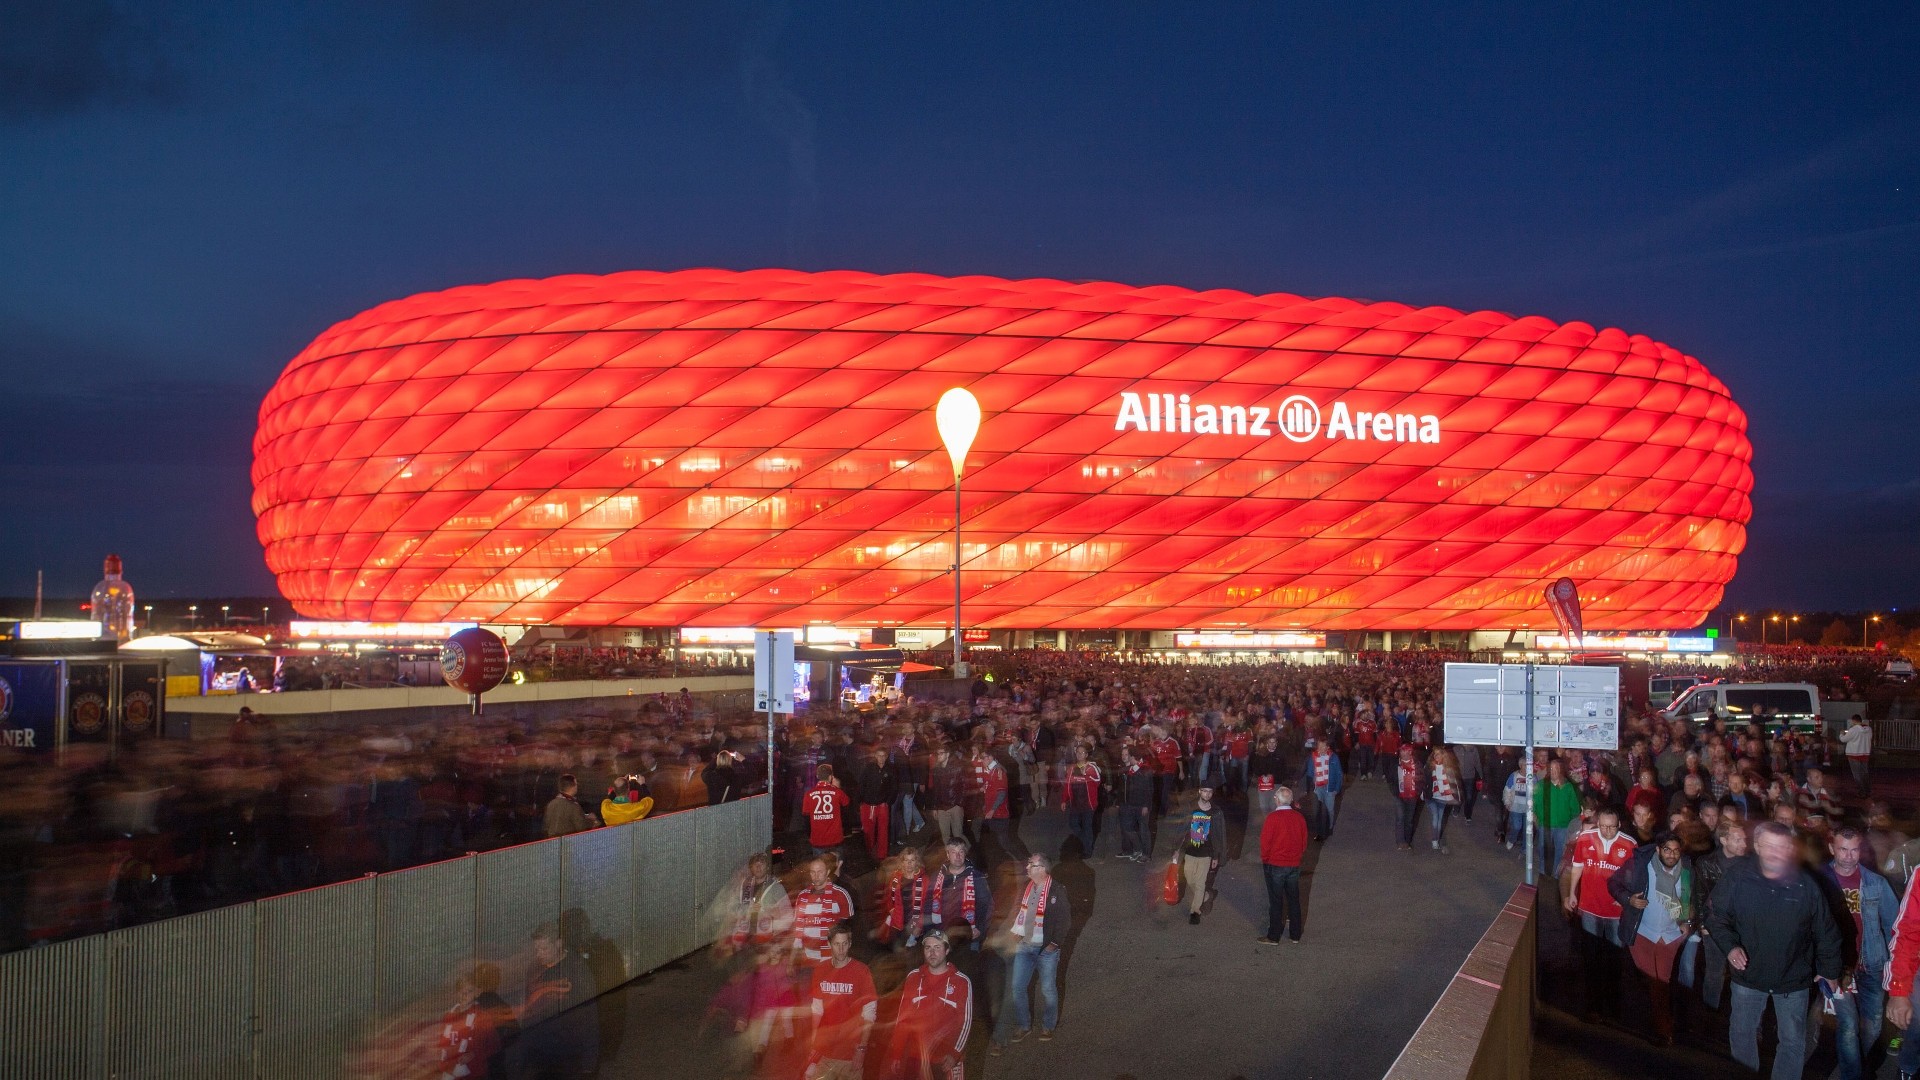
165,827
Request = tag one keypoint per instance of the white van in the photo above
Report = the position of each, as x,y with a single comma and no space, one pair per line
1662,689
1773,704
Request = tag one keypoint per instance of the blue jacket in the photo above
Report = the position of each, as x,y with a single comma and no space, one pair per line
1879,907
1334,778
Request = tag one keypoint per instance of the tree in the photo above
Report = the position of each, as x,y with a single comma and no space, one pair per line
1837,632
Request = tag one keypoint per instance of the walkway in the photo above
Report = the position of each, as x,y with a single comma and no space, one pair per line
1146,996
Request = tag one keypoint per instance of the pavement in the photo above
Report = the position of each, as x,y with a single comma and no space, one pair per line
1145,996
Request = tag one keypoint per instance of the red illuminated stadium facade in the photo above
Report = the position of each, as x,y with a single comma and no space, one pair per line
716,448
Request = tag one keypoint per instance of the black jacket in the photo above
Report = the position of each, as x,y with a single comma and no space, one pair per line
1633,879
1059,915
1136,787
874,784
1786,928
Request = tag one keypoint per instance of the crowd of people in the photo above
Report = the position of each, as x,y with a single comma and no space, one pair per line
92,841
903,902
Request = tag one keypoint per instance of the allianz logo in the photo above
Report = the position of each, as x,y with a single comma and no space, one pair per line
1297,417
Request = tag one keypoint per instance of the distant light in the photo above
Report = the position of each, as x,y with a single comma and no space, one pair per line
958,418
58,630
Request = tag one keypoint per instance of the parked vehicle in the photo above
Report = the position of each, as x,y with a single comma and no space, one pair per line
1777,705
1900,669
1662,689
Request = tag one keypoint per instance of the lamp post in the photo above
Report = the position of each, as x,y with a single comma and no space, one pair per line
1866,636
149,610
958,418
225,620
193,615
1739,619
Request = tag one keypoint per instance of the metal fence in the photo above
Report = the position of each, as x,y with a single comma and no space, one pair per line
343,979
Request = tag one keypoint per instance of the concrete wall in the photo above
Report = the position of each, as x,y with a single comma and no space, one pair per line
1482,1026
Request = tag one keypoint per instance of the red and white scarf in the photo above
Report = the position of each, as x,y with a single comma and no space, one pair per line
1321,769
1039,909
966,898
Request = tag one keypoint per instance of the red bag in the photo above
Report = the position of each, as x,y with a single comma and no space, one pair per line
1170,890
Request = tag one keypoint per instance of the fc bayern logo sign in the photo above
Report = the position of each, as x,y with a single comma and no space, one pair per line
6,700
474,660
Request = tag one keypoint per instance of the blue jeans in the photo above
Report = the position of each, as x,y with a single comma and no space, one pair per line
1133,831
1856,1022
1517,827
1327,799
1553,847
1437,814
1080,824
1028,959
1789,1015
1284,912
1910,1045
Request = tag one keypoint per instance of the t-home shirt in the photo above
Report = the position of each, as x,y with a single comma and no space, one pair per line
1597,861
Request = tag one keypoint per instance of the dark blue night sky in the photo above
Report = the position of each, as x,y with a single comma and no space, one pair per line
191,192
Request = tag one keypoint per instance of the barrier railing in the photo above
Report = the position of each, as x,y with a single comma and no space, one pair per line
338,980
1482,1026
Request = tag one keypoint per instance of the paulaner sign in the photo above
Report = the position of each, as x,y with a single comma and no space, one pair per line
1297,418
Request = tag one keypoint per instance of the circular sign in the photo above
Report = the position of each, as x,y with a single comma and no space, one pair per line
6,700
89,714
139,712
474,660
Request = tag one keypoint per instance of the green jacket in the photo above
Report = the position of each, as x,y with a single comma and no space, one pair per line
1555,806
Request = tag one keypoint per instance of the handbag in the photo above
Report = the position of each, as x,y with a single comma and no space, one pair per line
1170,887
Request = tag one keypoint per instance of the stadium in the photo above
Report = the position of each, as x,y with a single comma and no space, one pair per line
734,449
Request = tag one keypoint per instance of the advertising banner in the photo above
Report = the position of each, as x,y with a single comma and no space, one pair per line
1563,599
29,706
143,700
89,703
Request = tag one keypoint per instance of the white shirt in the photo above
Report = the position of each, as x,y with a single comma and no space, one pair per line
1858,740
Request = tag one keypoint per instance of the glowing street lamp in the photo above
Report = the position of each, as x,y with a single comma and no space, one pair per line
1741,619
1866,636
958,417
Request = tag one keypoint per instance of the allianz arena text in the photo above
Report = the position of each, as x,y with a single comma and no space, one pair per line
721,448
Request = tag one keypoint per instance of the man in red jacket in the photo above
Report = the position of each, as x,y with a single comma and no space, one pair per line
1283,843
936,1015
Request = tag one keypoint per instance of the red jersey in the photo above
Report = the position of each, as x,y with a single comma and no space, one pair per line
936,1014
990,786
1166,755
843,1004
1597,861
823,805
1363,732
814,913
1239,745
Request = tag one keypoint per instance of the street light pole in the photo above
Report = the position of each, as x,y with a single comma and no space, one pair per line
958,418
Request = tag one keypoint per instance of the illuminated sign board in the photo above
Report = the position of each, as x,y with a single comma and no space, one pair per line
1626,643
57,630
1270,640
1296,417
376,631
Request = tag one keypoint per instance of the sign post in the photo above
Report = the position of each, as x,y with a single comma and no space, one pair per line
772,682
1574,707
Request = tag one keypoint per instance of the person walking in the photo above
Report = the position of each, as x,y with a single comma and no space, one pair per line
960,903
841,998
1283,843
1708,869
1858,743
1443,795
1517,796
1656,894
935,1018
1556,806
876,786
1466,759
1136,805
1323,771
824,804
1781,939
1080,798
988,782
906,902
563,814
1596,855
1035,936
1199,853
946,782
817,908
1863,907
1409,787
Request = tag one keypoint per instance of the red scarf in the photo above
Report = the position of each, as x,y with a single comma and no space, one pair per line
898,903
966,897
1321,769
1020,929
1409,780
